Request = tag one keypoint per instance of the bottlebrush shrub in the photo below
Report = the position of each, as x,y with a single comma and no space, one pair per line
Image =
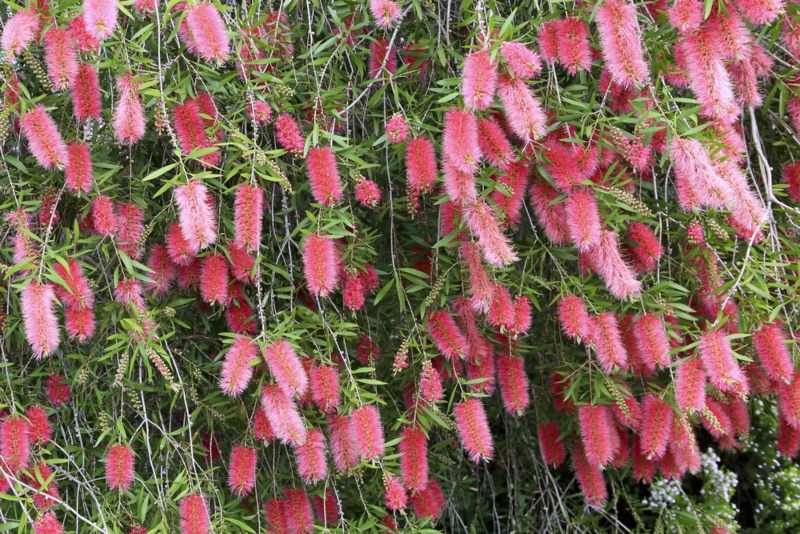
360,267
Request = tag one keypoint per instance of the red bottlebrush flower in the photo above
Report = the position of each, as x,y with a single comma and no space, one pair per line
574,318
523,111
367,193
39,318
366,432
241,263
551,216
597,425
320,265
61,57
286,368
204,34
283,416
75,292
590,478
421,168
690,385
236,370
288,134
196,214
493,143
460,145
548,40
129,121
644,247
39,424
760,11
248,214
104,218
514,385
791,177
631,415
190,129
396,129
259,112
311,463
789,401
85,42
394,493
214,279
721,367
521,61
788,439
48,524
643,469
482,368
479,80
262,430
242,470
656,427
429,502
163,270
78,174
414,458
686,16
367,351
607,340
181,252
481,287
15,444
58,392
128,292
41,479
44,139
275,515
119,467
501,311
79,323
85,92
446,335
344,455
297,511
572,45
769,342
381,58
473,430
553,450
194,514
100,17
494,245
583,218
716,421
606,260
430,384
620,43
651,340
20,31
459,185
324,386
386,12
707,76
323,175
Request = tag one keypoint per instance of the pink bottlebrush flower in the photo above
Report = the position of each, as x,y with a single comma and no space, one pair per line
793,110
129,121
190,129
128,292
791,177
686,16
697,180
104,217
79,323
707,76
421,168
429,502
241,263
572,45
194,514
553,450
86,43
262,430
239,315
446,335
620,43
39,424
20,31
48,524
479,80
473,430
760,11
394,493
521,61
430,384
196,214
236,369
119,467
590,478
651,340
514,384
326,186
606,260
204,34
396,129
769,342
85,93
297,511
366,432
643,469
481,287
286,368
214,279
631,416
789,400
656,427
283,416
181,252
44,140
369,276
414,458
718,424
607,340
460,145
790,35
324,387
15,444
311,463
788,439
288,134
75,292
57,390
320,265
459,185
353,291
644,247
43,482
386,12
100,17
510,196
523,111
248,213
719,363
573,317
259,112
522,316
551,216
548,39
690,385
275,515
344,455
367,193
493,143
597,428
501,311
382,59
242,470
78,176
61,57
583,218
163,270
39,318
494,245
